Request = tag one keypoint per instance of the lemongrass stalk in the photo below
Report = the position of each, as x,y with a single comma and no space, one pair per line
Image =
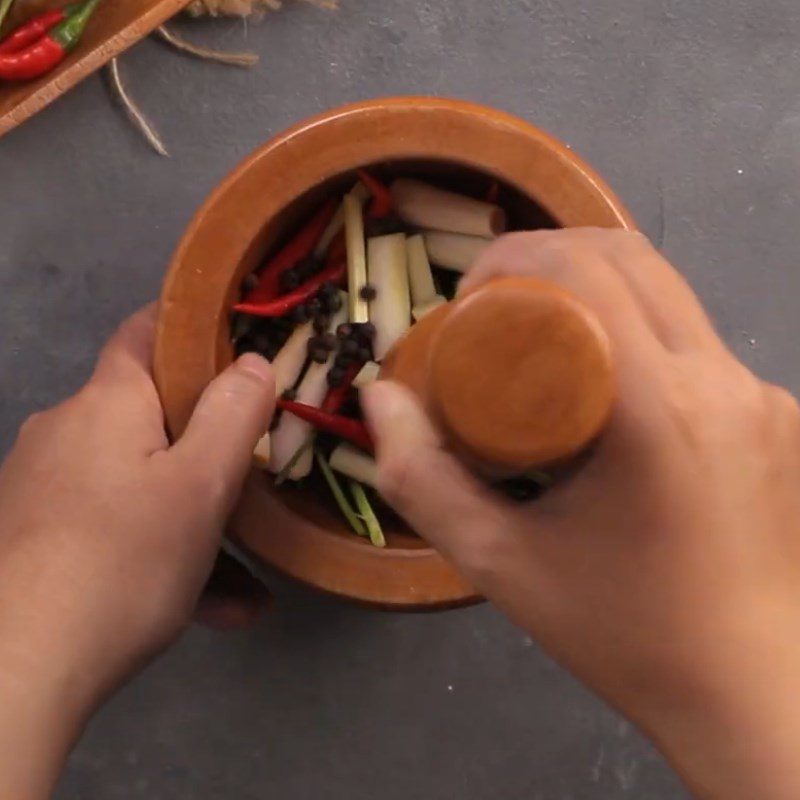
356,258
340,497
390,308
420,277
356,465
454,250
432,208
367,514
288,364
368,373
337,222
291,432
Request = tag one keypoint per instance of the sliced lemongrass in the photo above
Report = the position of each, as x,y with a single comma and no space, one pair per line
420,277
356,465
368,373
283,475
429,207
291,432
262,451
288,364
341,498
418,312
356,258
390,308
454,250
337,222
367,514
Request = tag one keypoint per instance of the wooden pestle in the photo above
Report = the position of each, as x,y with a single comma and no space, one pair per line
517,373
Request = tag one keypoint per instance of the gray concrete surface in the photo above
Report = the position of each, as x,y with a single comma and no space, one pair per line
692,112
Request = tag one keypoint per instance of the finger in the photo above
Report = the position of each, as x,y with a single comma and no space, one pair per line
436,496
673,308
128,355
666,302
230,417
122,384
542,254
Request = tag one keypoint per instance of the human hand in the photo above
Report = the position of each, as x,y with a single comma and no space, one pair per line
666,572
107,536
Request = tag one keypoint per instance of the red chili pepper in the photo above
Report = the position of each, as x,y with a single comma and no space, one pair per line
337,250
353,430
337,395
284,304
36,27
302,244
46,53
381,205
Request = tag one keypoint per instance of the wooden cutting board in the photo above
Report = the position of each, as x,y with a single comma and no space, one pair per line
116,26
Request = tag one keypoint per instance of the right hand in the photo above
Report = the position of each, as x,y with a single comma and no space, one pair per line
666,573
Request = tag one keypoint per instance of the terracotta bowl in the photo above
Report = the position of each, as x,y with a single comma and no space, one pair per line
543,183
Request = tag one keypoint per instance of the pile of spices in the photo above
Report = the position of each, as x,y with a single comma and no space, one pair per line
329,305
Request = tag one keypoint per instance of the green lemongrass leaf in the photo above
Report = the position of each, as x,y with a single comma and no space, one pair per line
5,7
339,495
367,514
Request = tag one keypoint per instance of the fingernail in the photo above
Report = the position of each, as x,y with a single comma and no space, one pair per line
256,365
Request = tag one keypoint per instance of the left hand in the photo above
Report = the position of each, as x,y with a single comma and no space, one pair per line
107,537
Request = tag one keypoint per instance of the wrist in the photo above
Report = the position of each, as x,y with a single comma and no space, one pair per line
737,736
44,711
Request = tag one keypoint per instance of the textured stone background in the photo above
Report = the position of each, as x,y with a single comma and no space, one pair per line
692,112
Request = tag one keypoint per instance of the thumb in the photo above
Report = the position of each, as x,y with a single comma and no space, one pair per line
429,488
232,414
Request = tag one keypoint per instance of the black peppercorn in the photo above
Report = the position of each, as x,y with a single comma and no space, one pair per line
366,332
299,315
333,303
367,292
364,355
350,347
321,323
329,341
289,280
335,377
345,330
308,266
319,355
313,306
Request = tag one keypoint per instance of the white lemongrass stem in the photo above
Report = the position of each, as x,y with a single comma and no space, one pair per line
454,250
420,277
430,207
337,222
356,258
356,465
291,432
390,309
288,364
262,451
368,373
286,367
418,312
